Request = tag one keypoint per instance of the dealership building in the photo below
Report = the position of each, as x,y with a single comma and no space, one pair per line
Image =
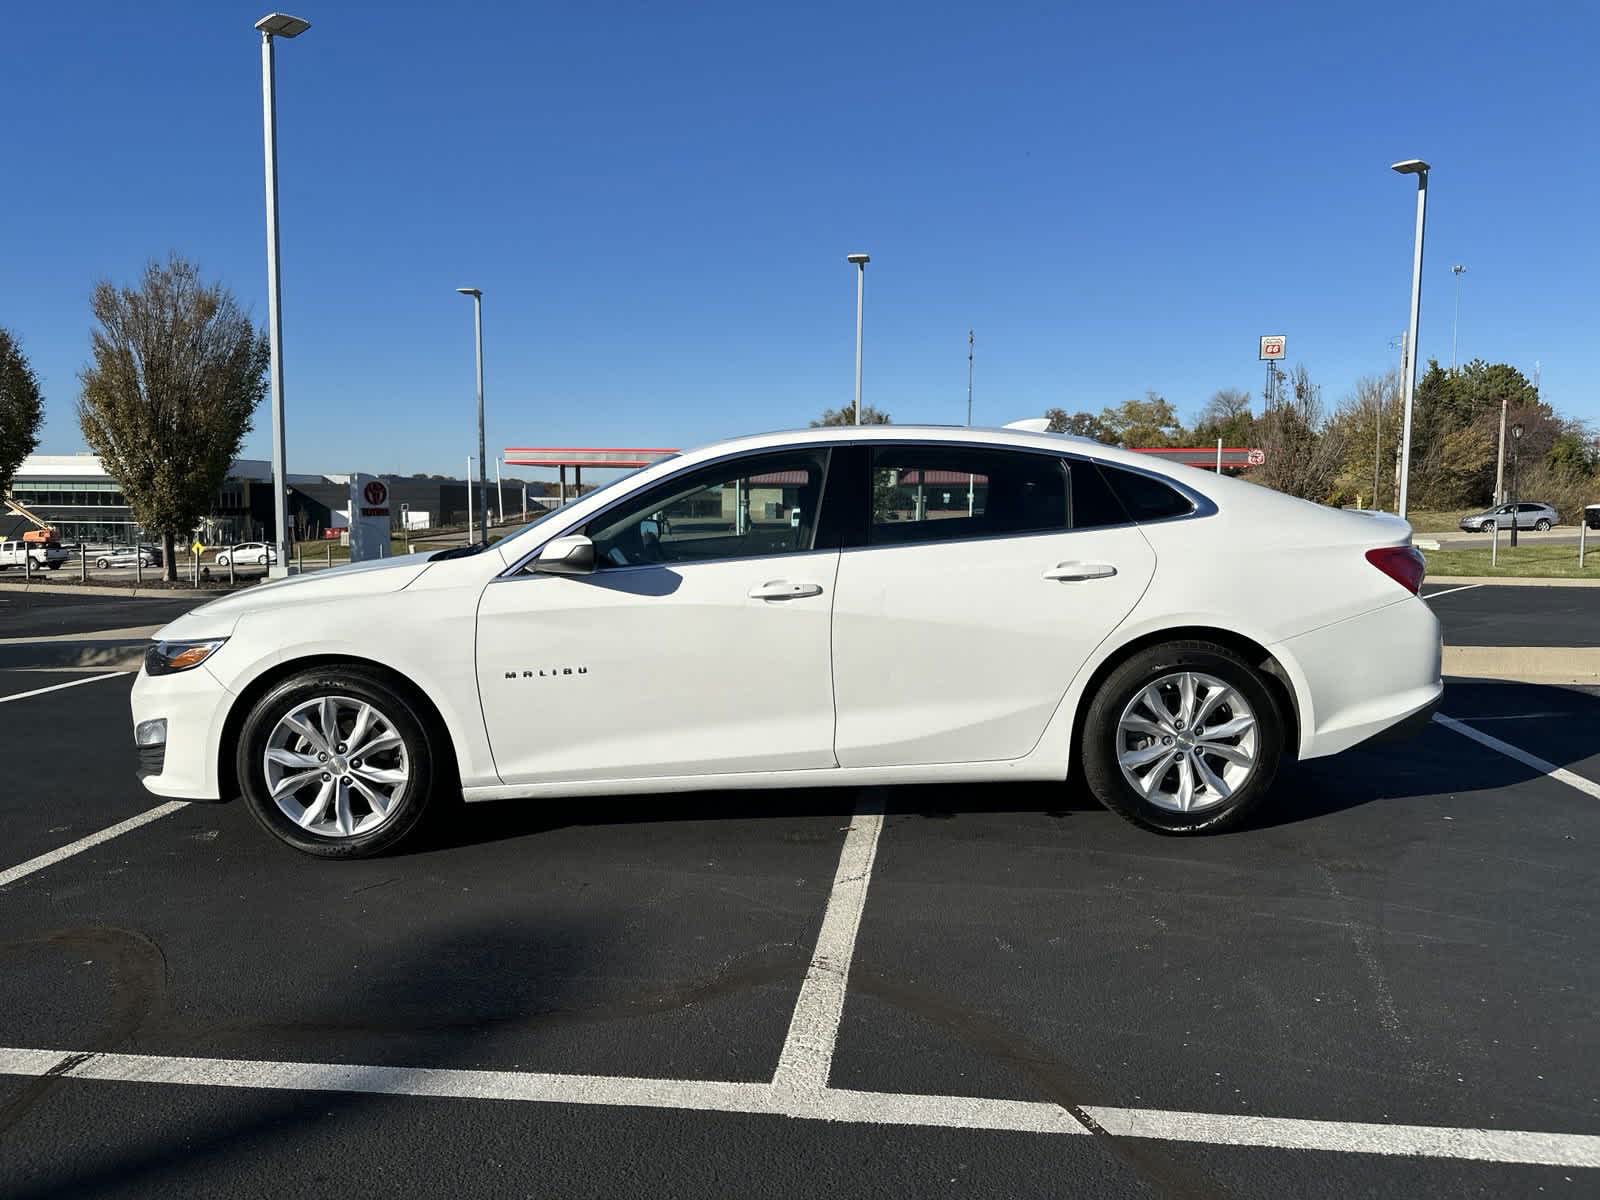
81,501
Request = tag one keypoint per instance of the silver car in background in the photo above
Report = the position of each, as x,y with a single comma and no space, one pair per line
1528,515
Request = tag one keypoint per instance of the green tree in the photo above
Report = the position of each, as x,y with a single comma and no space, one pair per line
1083,424
21,409
1145,423
847,416
171,392
1456,430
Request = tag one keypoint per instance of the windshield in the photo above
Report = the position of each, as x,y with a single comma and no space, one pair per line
595,491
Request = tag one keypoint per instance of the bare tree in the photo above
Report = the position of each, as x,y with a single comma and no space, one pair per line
177,372
1304,450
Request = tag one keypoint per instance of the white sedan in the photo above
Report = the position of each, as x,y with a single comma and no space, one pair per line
832,606
246,554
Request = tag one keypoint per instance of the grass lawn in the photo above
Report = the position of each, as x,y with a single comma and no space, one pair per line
1423,521
1525,562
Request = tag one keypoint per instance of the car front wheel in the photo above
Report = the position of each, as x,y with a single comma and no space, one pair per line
1183,738
338,763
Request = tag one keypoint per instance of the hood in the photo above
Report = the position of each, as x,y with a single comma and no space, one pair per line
218,618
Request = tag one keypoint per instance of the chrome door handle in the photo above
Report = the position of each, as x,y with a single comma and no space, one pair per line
1070,572
782,589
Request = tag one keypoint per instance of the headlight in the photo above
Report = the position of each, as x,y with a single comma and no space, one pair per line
168,658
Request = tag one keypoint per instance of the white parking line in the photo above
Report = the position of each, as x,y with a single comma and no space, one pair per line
49,859
56,687
1465,587
806,1060
876,1108
1588,786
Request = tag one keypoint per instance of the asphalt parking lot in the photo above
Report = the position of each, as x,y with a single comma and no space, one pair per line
1386,986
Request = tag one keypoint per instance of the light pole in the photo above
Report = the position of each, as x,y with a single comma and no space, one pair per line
275,25
1412,166
1455,326
483,483
1516,459
861,261
969,377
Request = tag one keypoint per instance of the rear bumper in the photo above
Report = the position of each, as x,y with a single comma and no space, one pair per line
1366,675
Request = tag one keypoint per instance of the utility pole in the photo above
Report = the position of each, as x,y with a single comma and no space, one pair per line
1500,462
969,377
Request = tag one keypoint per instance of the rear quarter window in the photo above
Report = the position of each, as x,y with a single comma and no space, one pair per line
1144,497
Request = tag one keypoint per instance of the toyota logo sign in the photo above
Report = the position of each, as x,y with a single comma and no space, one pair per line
376,493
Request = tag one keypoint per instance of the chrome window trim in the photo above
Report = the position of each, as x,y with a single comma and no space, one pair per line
519,569
1203,506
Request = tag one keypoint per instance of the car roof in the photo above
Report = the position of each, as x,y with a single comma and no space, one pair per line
1021,439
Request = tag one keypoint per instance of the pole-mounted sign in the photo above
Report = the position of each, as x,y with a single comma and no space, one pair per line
369,518
1272,347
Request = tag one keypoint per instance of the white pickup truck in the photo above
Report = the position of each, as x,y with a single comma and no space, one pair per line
45,555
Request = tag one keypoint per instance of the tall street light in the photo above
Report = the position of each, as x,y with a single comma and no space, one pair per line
483,483
1412,166
275,25
1455,326
861,261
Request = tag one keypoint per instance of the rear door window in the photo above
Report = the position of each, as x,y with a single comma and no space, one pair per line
935,493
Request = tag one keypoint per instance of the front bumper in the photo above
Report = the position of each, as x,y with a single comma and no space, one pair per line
195,706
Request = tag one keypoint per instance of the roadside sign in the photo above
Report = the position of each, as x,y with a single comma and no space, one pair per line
1256,457
199,547
1272,346
369,518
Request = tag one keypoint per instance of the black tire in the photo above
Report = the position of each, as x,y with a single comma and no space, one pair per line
101,563
1542,525
1099,749
429,774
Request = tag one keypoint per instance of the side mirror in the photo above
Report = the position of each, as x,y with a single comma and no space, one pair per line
572,554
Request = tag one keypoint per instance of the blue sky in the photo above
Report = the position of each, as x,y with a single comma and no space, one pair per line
657,201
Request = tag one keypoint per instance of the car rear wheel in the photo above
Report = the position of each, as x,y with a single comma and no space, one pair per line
1542,525
102,563
338,763
1183,738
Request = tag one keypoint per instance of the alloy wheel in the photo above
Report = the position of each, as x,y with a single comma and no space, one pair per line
336,766
1187,741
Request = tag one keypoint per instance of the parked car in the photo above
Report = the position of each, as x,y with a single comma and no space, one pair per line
1528,516
126,556
245,554
833,606
1591,516
47,555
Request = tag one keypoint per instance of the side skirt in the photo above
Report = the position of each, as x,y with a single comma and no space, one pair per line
1014,770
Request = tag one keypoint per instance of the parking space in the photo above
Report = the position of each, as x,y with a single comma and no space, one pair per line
1006,989
1504,615
40,612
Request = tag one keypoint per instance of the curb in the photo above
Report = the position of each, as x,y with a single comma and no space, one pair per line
110,591
1526,664
1513,581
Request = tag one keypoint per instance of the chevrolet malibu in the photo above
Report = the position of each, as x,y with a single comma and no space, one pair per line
829,607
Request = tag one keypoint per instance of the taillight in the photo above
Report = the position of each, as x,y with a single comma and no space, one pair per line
1403,564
